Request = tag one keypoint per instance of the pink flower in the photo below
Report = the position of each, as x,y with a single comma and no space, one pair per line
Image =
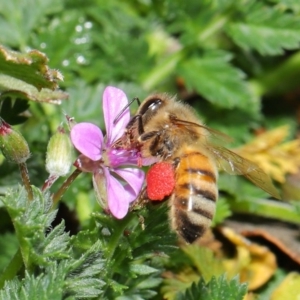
116,183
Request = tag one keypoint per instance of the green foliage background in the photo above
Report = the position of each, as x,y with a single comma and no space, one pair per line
238,61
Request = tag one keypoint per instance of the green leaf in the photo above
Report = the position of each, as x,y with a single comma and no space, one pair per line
8,246
135,249
265,29
266,208
28,77
198,255
47,251
140,269
288,4
30,67
222,211
18,19
31,219
214,78
187,265
216,289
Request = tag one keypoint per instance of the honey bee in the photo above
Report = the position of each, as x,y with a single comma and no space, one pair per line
169,131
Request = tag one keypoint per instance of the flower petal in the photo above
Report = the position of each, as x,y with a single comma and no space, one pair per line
134,177
99,183
114,100
88,140
118,203
119,157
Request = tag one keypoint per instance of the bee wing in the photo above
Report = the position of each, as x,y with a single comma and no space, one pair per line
233,163
217,135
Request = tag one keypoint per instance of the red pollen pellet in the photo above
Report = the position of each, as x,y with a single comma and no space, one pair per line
160,181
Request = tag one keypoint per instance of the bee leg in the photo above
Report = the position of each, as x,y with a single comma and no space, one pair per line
156,137
136,119
149,135
141,200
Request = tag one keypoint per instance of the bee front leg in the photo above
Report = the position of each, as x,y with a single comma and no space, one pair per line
154,147
140,201
136,119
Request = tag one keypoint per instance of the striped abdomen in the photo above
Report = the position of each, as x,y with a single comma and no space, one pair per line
193,202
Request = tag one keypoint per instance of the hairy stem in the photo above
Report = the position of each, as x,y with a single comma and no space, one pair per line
118,234
56,197
26,180
49,182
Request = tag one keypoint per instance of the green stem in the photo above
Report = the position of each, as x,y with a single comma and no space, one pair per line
26,180
162,71
271,81
49,182
213,27
12,269
118,234
56,197
267,208
112,261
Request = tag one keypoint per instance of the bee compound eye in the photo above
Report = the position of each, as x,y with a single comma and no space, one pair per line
150,106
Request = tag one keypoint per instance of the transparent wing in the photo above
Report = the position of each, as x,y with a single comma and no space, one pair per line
212,133
231,162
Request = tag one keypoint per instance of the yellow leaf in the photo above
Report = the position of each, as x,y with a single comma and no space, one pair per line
276,157
289,289
256,264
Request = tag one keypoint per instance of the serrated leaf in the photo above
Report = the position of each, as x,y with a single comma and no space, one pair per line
48,252
43,287
214,78
149,283
198,255
265,29
188,264
10,291
83,274
86,288
28,76
135,263
222,211
31,220
272,154
55,243
30,67
140,269
216,289
89,264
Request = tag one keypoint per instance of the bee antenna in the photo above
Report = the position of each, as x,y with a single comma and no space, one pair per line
125,107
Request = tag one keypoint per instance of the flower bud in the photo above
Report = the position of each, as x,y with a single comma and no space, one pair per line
13,145
59,154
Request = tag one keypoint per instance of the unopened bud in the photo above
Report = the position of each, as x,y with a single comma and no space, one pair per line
59,154
13,145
